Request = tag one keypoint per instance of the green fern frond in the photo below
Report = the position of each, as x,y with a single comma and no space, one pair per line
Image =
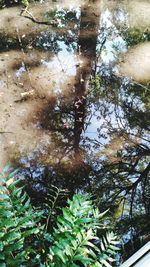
75,237
25,239
53,202
18,221
108,248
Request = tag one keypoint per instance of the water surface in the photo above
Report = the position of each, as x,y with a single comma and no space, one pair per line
75,99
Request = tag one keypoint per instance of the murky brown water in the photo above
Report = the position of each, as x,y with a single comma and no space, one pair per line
74,96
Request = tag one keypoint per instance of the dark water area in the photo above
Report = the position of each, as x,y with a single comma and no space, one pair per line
75,104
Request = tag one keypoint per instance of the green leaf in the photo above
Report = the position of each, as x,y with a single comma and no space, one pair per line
66,214
6,168
6,213
4,197
93,254
27,203
68,250
96,264
12,236
79,237
84,260
2,264
60,254
15,246
12,174
30,232
114,247
8,223
1,246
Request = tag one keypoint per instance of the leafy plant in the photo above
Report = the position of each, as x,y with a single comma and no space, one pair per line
75,239
52,203
4,3
26,239
18,222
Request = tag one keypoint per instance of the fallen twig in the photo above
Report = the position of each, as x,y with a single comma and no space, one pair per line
31,17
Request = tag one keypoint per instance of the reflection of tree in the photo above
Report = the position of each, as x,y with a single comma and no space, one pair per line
64,115
121,178
51,39
68,121
135,36
118,171
89,25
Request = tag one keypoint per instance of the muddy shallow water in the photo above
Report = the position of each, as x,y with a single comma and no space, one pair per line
74,90
49,63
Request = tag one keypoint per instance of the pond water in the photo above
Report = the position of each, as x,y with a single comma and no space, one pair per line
75,99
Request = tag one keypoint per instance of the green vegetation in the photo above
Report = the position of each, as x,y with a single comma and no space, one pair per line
18,222
26,239
4,3
135,36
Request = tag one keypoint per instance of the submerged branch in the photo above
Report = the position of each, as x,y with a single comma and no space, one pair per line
31,17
